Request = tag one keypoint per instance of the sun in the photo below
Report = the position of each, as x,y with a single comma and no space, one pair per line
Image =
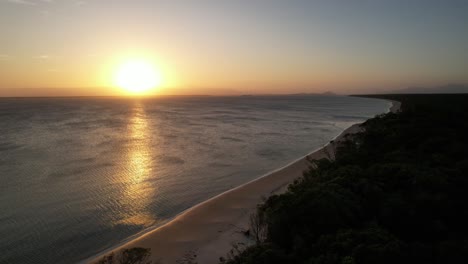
137,77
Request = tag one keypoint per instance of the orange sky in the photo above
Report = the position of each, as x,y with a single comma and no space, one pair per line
63,48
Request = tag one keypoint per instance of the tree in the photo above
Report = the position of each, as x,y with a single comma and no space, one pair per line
258,226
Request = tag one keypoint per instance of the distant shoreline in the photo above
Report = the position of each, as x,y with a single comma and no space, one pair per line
207,230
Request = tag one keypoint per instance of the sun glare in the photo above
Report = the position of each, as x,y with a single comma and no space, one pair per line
137,77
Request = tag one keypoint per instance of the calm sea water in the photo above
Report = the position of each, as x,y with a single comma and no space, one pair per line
79,175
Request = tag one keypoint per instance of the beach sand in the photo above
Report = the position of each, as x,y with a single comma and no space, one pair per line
208,230
396,107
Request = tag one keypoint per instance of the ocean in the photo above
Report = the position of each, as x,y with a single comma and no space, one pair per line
81,175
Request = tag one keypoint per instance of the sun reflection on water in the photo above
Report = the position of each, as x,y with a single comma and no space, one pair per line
139,154
137,191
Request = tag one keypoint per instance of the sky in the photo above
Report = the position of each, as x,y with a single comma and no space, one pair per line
74,47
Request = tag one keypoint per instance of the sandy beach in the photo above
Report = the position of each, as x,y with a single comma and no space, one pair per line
208,230
396,107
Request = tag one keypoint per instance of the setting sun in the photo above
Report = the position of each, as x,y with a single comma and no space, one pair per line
137,77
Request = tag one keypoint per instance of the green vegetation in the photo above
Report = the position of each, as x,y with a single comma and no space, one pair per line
396,193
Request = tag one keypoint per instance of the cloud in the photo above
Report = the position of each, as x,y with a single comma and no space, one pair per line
4,56
22,2
29,2
79,3
45,12
43,57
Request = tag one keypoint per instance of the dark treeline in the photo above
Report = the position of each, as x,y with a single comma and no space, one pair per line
396,193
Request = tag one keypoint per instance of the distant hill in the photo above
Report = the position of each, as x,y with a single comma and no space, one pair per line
446,89
329,93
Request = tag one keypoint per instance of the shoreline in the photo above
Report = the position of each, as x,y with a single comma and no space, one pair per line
207,231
